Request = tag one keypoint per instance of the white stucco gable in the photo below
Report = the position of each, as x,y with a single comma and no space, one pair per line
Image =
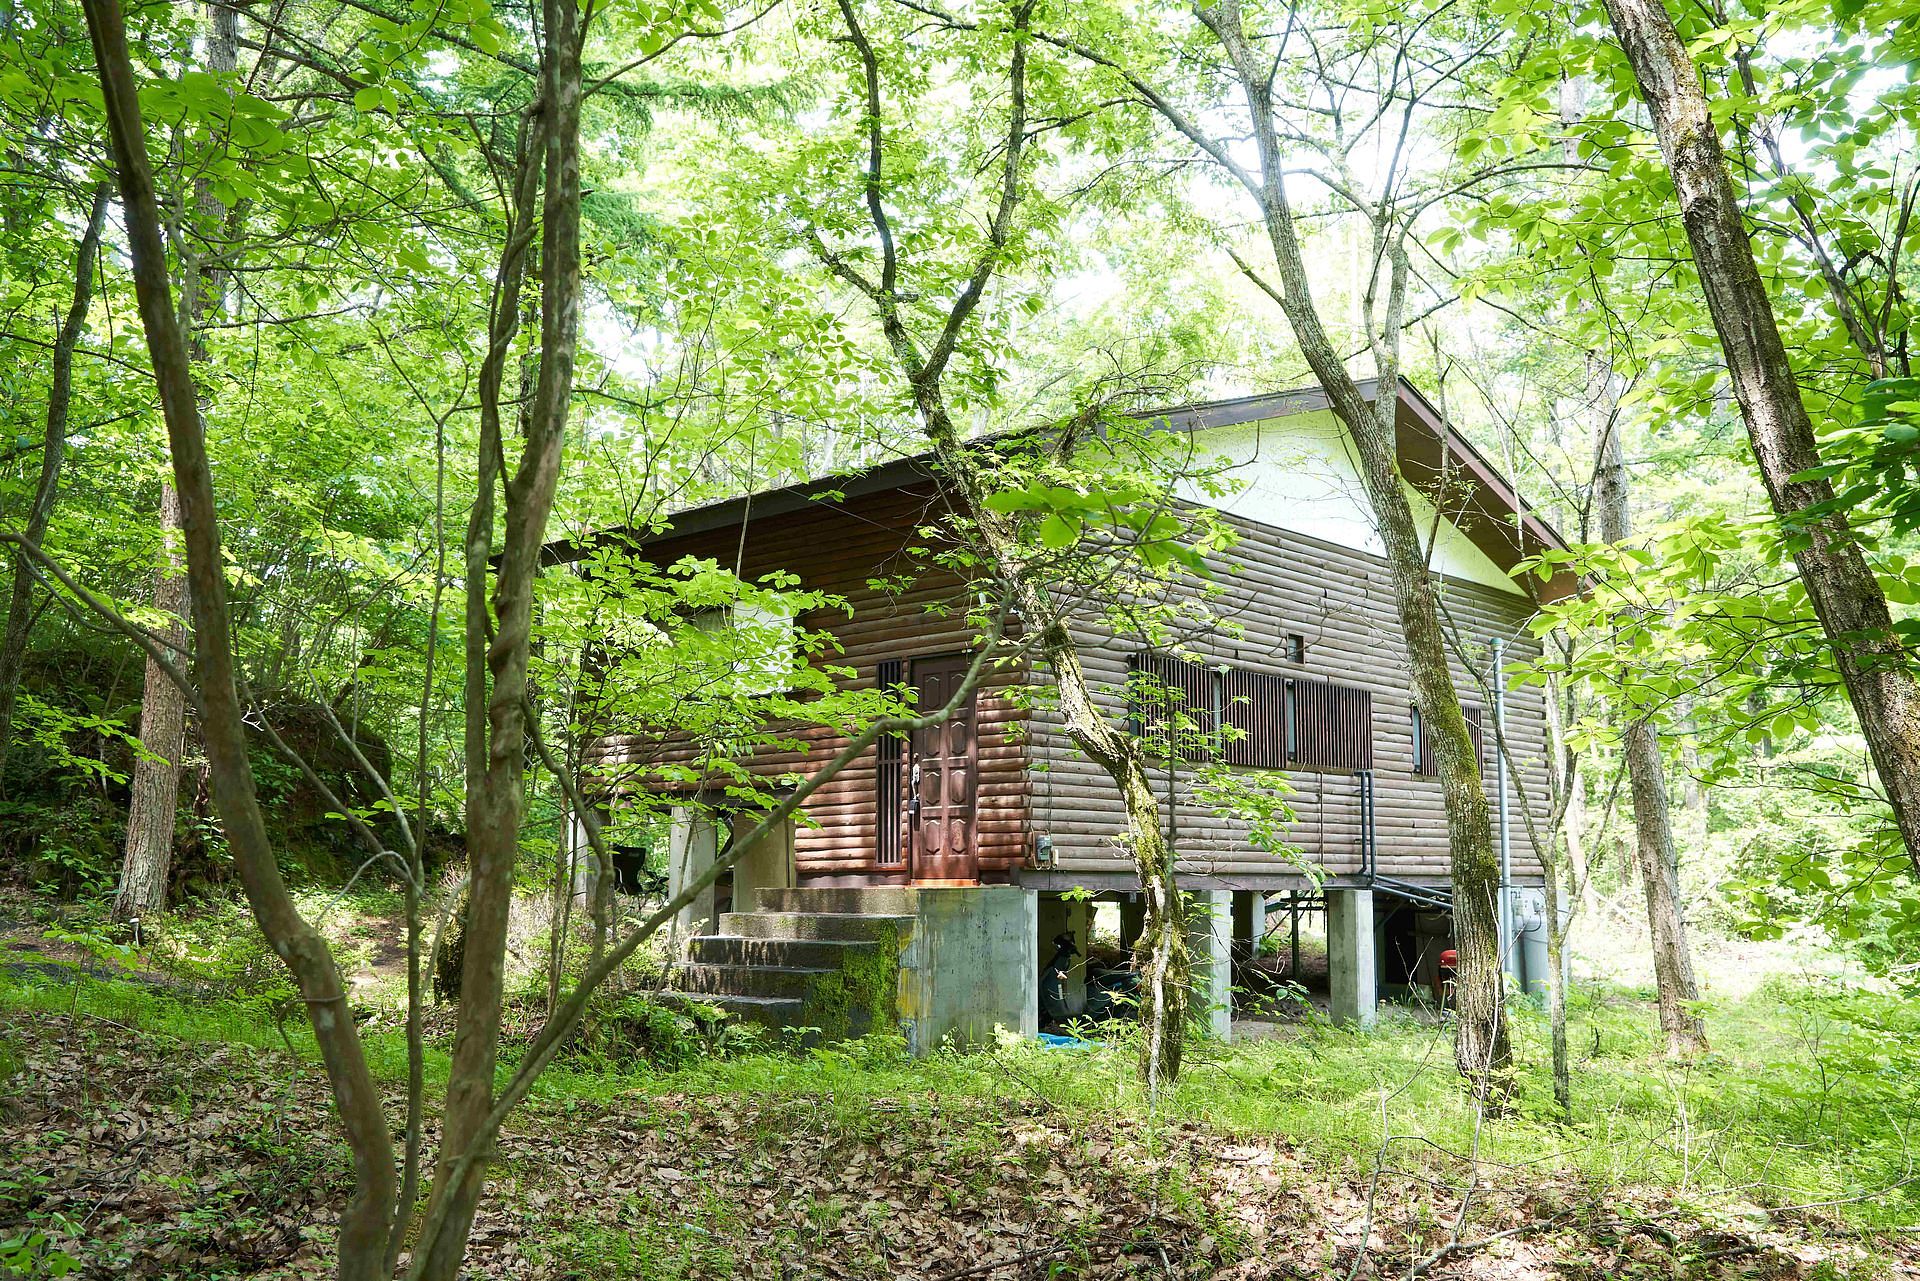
1299,473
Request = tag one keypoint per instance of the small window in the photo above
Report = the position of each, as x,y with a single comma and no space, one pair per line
1296,648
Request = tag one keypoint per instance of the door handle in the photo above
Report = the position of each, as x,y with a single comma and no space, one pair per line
913,800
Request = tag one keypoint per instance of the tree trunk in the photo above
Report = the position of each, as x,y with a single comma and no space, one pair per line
1557,991
1579,864
497,731
1652,814
1685,1030
1846,597
1482,1052
1163,950
53,453
163,707
163,739
364,1219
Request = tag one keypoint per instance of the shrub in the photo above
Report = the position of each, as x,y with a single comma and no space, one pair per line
68,850
664,1035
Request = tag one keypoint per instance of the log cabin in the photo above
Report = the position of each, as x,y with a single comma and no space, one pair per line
968,851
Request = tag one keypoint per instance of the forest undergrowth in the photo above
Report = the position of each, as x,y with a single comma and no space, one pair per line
151,1130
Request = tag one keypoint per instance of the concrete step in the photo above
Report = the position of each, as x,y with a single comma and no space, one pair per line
805,954
814,926
768,1011
862,900
748,980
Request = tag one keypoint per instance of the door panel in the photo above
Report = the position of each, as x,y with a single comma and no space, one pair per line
944,765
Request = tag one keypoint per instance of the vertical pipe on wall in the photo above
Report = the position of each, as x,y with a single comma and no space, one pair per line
1293,951
1505,905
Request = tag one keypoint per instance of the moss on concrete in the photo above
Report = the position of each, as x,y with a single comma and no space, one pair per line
862,996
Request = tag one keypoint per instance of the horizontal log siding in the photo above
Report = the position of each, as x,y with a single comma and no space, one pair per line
838,549
1340,600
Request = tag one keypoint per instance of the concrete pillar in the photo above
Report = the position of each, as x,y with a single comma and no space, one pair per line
1249,927
691,849
1059,916
1352,972
1210,922
584,866
767,864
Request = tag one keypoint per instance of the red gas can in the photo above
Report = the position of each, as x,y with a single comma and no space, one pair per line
1443,977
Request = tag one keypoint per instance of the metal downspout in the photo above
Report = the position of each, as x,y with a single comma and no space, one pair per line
1505,906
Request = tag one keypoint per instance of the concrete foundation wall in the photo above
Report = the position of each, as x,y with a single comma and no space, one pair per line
969,967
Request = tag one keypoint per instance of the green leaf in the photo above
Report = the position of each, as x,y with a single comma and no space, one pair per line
1058,531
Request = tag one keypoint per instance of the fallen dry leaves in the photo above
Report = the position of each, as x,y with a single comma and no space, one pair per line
144,1157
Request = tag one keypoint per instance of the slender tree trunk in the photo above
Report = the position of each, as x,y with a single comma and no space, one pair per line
1164,954
163,707
1163,951
1652,814
1565,880
497,730
1557,991
1685,1030
1482,1052
53,453
1579,863
364,1219
1846,597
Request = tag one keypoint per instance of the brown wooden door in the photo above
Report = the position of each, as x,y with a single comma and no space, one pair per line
943,772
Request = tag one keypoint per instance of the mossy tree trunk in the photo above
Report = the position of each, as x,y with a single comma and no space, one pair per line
1482,1052
1846,597
163,706
365,1218
1163,950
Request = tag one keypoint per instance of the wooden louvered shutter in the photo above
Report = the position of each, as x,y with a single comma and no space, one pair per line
1147,701
888,812
1333,726
1255,704
1170,691
1424,761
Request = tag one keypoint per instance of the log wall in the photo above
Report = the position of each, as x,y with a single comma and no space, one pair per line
1032,781
841,549
1272,583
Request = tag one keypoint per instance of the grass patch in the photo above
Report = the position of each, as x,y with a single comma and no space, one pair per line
1803,1100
